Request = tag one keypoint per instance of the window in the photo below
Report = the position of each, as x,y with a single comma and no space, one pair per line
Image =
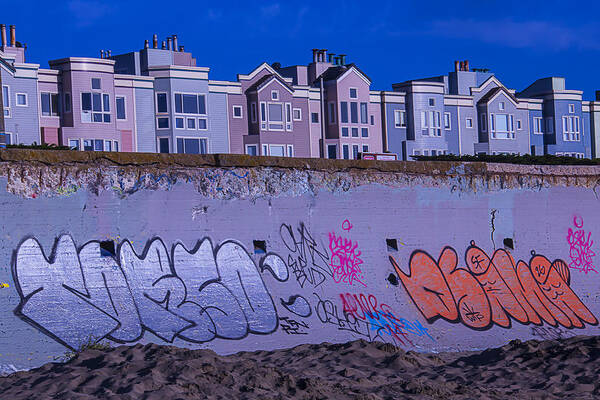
22,99
332,113
353,93
179,123
190,104
202,123
115,146
332,151
483,122
288,116
74,144
290,150
265,150
364,132
314,118
98,145
469,122
365,148
549,125
191,123
161,103
263,115
67,97
446,120
354,132
344,112
345,132
275,116
431,123
50,104
519,125
162,123
399,118
501,105
251,150
537,125
503,127
297,114
346,152
364,119
95,107
163,145
571,108
571,128
276,150
107,145
192,146
431,102
372,120
88,145
96,83
120,107
253,112
355,152
237,111
6,100
354,112
274,95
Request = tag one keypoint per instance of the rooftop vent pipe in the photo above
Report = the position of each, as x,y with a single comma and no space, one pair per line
155,41
13,36
3,29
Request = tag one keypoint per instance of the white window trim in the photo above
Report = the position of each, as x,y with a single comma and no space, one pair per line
156,103
447,114
194,137
189,114
289,112
158,144
276,92
430,100
299,113
519,126
116,144
349,89
283,122
241,111
195,124
263,121
4,105
184,121
277,145
363,148
469,121
251,145
198,124
290,150
12,135
26,100
501,106
571,108
125,105
361,132
264,150
168,120
74,140
344,146
399,119
92,83
58,113
329,145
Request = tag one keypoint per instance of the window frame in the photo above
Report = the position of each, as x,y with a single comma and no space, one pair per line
251,145
57,115
166,103
117,107
253,112
168,122
67,100
17,100
194,138
99,80
448,116
400,118
350,89
237,107
205,114
294,110
469,122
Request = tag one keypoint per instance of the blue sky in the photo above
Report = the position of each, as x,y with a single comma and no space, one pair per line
392,41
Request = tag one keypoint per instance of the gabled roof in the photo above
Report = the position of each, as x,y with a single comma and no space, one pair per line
265,80
256,70
337,72
6,65
486,98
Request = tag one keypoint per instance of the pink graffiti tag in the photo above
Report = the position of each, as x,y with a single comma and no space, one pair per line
580,250
345,260
346,225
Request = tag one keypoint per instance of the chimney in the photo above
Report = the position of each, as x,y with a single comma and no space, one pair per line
461,66
175,44
597,95
331,58
3,28
146,44
324,55
101,53
336,61
164,45
315,53
108,54
456,67
342,59
155,41
168,43
466,63
181,49
13,36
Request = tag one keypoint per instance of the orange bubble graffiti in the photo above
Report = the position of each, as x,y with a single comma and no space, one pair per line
493,290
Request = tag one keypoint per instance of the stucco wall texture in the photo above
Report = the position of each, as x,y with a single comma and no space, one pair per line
238,253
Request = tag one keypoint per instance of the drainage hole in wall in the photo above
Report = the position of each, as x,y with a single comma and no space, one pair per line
260,247
392,279
107,248
392,244
508,242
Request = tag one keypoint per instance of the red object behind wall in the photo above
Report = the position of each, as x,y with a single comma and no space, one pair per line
126,141
50,135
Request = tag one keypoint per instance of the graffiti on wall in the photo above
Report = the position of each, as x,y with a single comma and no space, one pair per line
198,295
346,258
580,247
493,290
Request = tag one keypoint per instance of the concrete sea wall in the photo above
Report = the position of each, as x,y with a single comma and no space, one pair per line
239,253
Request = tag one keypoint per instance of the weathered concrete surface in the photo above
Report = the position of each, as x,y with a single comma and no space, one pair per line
353,250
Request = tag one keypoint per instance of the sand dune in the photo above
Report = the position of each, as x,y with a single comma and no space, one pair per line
356,370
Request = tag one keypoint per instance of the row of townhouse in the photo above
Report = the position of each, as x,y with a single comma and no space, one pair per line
158,100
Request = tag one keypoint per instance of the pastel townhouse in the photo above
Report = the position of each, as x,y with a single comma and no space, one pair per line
19,120
189,112
465,112
565,118
594,112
